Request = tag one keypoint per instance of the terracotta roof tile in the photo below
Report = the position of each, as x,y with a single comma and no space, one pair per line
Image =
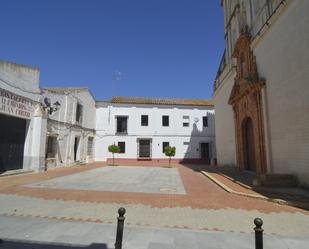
161,101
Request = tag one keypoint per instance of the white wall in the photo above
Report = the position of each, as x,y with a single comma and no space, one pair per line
19,79
283,60
225,128
175,134
23,81
282,56
62,124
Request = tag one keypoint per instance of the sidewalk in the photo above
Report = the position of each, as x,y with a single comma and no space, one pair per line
240,183
37,233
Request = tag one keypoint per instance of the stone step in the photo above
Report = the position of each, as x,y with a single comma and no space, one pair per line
278,180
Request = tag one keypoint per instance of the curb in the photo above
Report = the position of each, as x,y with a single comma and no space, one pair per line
261,197
229,190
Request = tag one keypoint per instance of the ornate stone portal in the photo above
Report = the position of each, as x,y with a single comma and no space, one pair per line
246,101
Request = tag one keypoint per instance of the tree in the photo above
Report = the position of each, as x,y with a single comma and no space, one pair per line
114,149
170,152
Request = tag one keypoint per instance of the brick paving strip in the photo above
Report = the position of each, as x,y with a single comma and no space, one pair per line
205,205
142,215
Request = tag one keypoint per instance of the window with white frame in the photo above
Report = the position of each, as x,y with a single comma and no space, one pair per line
165,120
164,145
122,147
186,121
205,121
122,124
144,120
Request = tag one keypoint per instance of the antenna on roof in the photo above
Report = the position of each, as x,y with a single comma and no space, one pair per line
116,77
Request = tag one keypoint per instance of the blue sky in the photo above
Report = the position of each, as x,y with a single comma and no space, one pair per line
163,48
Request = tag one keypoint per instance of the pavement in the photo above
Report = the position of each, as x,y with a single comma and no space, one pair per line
241,183
120,179
38,233
78,205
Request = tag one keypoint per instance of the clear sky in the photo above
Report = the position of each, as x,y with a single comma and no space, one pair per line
163,48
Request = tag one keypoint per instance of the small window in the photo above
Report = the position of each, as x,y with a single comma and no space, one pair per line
90,146
144,120
164,145
79,113
51,149
186,143
165,120
122,124
205,121
122,146
186,121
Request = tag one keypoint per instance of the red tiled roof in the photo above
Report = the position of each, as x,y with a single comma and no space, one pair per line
161,101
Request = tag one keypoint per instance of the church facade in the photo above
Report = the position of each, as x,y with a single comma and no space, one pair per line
261,91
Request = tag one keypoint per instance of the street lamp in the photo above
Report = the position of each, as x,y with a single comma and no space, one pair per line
51,108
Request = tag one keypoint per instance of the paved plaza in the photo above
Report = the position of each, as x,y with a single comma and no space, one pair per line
78,205
121,179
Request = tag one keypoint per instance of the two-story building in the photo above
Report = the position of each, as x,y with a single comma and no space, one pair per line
41,128
143,127
22,119
71,129
261,92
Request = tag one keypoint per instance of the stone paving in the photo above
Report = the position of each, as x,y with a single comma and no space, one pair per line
38,233
120,179
204,206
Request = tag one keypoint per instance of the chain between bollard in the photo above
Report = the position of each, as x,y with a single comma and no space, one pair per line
119,233
258,233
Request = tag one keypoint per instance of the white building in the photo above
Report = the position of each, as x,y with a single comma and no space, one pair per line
22,120
63,126
71,129
261,91
143,127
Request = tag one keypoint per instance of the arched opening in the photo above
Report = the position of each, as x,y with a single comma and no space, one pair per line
249,148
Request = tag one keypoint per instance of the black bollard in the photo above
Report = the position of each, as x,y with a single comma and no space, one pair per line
119,234
258,233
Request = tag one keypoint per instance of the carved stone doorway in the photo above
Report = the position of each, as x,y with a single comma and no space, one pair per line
249,147
246,100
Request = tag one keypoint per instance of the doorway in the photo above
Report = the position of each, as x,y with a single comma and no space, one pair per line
249,148
12,141
204,148
76,148
144,148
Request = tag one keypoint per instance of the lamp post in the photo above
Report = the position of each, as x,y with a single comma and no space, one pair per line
51,108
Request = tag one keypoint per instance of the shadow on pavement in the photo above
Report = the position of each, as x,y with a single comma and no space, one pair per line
20,244
294,196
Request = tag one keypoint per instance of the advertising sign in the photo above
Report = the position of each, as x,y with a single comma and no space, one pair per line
15,105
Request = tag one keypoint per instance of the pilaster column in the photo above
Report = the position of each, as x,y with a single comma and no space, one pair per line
38,146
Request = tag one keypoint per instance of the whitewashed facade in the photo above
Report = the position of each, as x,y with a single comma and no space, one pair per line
144,135
48,127
279,41
71,129
22,119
